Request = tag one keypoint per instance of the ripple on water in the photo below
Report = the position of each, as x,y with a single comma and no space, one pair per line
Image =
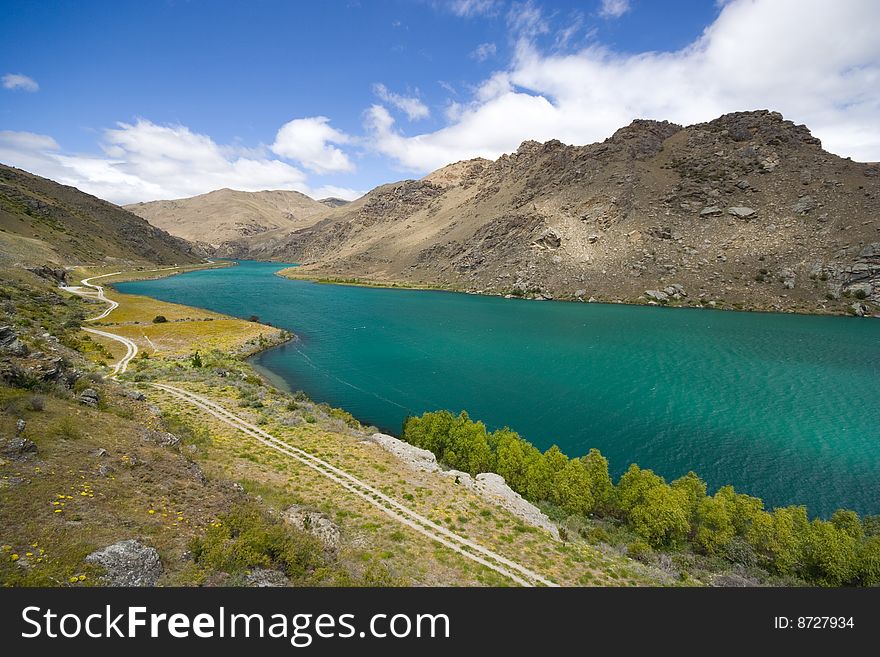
781,406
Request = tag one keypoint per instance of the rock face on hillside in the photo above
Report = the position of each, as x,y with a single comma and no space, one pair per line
746,211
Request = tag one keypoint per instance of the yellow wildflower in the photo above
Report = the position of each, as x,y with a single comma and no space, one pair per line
58,510
14,557
151,511
82,578
74,579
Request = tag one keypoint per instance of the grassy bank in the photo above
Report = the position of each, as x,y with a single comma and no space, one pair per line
162,472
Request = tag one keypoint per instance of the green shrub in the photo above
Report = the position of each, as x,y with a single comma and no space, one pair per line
680,515
247,538
639,550
160,319
67,429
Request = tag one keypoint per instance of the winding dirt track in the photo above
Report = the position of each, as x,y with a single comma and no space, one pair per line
131,348
406,516
463,546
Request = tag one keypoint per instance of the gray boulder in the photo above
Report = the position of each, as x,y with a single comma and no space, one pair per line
742,212
10,344
804,205
128,563
261,577
416,457
675,291
657,295
711,211
18,449
789,278
89,397
131,393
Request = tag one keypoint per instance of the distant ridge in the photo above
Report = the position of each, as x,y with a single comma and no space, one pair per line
333,202
225,215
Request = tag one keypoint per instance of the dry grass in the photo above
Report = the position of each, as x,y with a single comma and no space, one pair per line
59,508
118,506
406,553
187,329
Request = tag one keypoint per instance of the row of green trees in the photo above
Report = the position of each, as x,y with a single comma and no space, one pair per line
844,550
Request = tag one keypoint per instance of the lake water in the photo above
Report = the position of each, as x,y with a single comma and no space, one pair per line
784,407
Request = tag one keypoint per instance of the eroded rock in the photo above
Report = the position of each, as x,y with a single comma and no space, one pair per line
128,563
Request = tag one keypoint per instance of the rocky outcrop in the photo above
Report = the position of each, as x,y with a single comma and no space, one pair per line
490,486
858,278
317,524
89,397
10,343
17,449
414,457
128,563
57,275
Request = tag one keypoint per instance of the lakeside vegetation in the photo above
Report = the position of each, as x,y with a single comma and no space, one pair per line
209,500
667,517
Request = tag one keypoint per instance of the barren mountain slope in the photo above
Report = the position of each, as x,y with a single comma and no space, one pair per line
745,211
226,214
43,222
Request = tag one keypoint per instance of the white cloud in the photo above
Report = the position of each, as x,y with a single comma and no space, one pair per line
332,191
484,51
614,8
19,81
526,20
308,141
414,108
28,141
469,8
740,62
145,161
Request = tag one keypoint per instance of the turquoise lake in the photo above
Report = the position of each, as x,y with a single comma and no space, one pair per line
784,407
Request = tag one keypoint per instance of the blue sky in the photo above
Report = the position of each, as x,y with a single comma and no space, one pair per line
141,100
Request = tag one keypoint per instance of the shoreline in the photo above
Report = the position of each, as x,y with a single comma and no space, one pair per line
401,285
246,352
277,381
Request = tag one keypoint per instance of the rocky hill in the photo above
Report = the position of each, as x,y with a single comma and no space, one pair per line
43,222
333,202
744,211
227,214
